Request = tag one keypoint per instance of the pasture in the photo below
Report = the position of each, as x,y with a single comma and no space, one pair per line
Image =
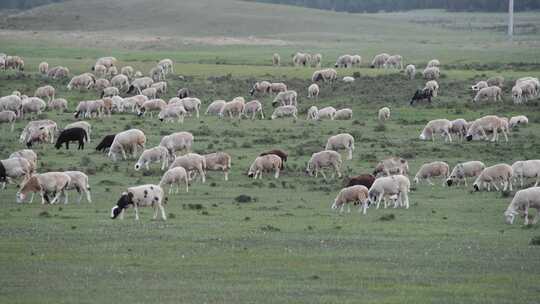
276,241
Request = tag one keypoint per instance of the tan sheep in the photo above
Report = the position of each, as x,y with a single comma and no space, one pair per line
518,120
356,61
265,163
394,62
357,195
27,154
325,75
16,167
43,68
121,82
175,176
157,154
128,71
191,162
287,98
463,170
433,169
151,93
78,182
285,111
218,161
501,173
341,141
526,169
261,88
324,159
312,113
8,117
152,105
490,93
459,128
252,108
215,107
83,81
487,123
343,114
179,141
101,84
391,166
344,61
277,87
497,81
276,59
45,183
45,91
11,103
128,140
327,113
431,73
437,126
379,60
232,108
172,112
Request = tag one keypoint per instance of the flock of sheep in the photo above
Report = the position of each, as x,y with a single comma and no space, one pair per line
389,182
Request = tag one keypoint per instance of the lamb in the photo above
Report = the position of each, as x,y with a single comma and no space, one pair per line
433,169
152,105
161,88
324,159
434,63
431,73
15,167
127,141
110,92
252,108
343,114
487,123
501,173
379,60
313,113
341,141
183,93
55,183
27,154
396,187
285,111
526,169
313,91
191,162
105,143
8,117
219,161
83,81
43,68
140,84
490,93
356,60
265,163
172,112
344,61
437,126
287,98
277,87
325,75
518,120
410,71
497,81
192,105
81,124
121,82
357,195
282,154
179,141
366,180
11,103
459,128
157,154
384,115
348,79
433,87
151,93
392,165
327,113
394,62
261,87
215,107
127,71
175,176
463,170
517,94
33,105
276,59
72,134
140,196
479,85
233,107
79,182
524,200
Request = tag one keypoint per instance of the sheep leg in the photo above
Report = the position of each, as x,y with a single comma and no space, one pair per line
429,181
535,184
88,195
226,174
363,208
187,185
56,197
322,173
526,215
494,185
32,198
350,153
348,208
505,135
163,216
136,212
495,135
276,176
203,177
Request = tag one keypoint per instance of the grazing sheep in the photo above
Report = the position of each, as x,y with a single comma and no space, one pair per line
421,95
175,176
526,169
192,105
179,141
384,114
79,182
157,154
262,87
463,170
285,111
344,61
127,141
151,93
343,114
140,196
40,136
394,62
105,143
277,87
150,106
191,162
357,195
364,179
282,154
265,163
111,72
300,59
524,200
15,167
27,154
215,107
183,93
100,70
395,187
139,84
490,93
33,105
72,134
327,113
218,161
55,183
47,125
127,71
172,112
121,82
233,107
135,102
11,103
437,126
313,91
325,75
497,81
312,113
157,73
83,81
431,73
341,141
479,85
87,109
58,72
501,173
410,71
356,60
43,68
379,60
14,62
110,92
101,84
287,98
517,94
348,79
81,124
45,91
324,159
433,87
518,120
161,88
434,63
8,117
525,88
392,166
276,59
487,123
433,169
252,108
167,65
459,128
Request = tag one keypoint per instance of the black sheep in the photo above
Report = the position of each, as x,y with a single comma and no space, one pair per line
105,143
72,134
3,174
420,95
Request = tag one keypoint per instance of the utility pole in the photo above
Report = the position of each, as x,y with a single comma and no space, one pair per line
510,19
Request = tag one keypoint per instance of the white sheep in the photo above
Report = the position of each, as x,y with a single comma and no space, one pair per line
11,103
232,108
83,81
434,63
325,75
167,65
524,200
16,167
175,176
395,187
287,98
431,73
312,113
276,59
101,84
384,114
526,169
265,163
191,162
348,79
518,120
43,68
497,81
492,93
433,87
479,85
33,105
215,107
179,141
252,108
357,195
78,182
324,159
285,111
344,61
487,123
140,196
433,169
128,71
437,126
191,104
277,87
218,161
410,71
501,173
463,170
27,154
356,61
313,91
47,125
45,183
45,91
379,60
262,87
110,92
316,60
341,141
9,117
128,140
172,112
157,154
151,93
394,62
152,105
161,88
140,84
327,113
392,165
135,102
121,82
343,114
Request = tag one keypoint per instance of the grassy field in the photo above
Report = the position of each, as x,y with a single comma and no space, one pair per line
284,244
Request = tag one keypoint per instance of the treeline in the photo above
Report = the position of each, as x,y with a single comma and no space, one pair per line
371,6
24,4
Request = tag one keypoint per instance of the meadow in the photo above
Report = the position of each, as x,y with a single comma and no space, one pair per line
276,241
